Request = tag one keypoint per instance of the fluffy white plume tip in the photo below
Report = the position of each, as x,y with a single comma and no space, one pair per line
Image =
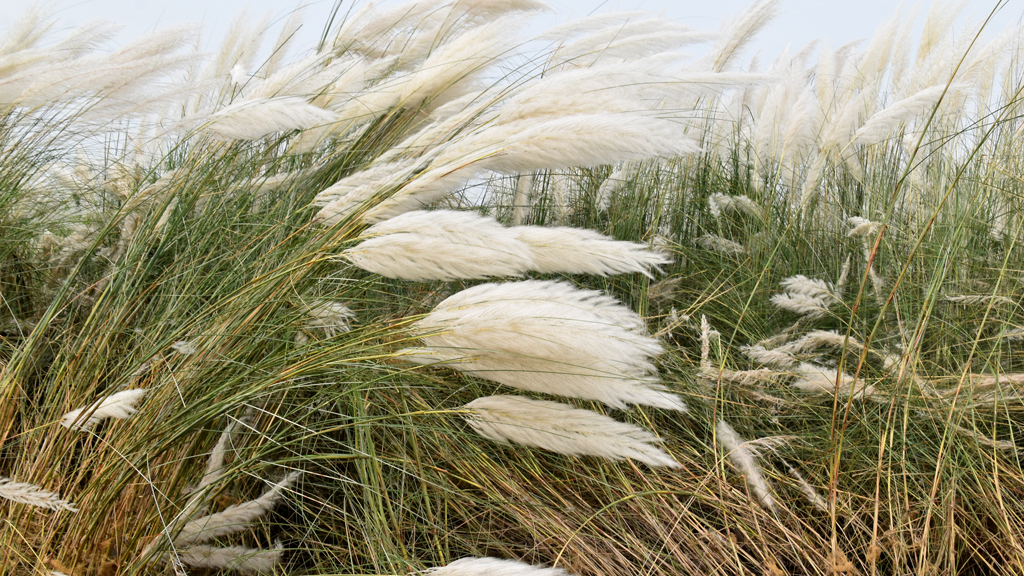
119,406
707,334
721,203
493,567
237,558
776,358
806,296
184,347
746,462
862,226
328,316
564,429
580,251
254,119
547,337
821,380
718,244
441,245
25,493
449,245
800,304
233,518
812,287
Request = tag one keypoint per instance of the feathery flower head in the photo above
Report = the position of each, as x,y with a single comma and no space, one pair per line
119,406
821,380
565,250
237,558
775,357
813,288
745,461
891,119
716,243
25,493
721,203
449,245
493,567
806,296
546,337
184,347
800,304
328,316
862,226
564,429
707,334
1014,334
232,519
441,245
976,299
259,117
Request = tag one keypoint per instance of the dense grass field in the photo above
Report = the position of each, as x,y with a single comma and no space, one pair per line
618,300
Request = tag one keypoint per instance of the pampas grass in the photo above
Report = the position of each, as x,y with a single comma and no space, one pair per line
184,347
806,296
746,462
236,558
232,519
441,245
775,358
492,567
546,337
819,379
120,406
25,493
449,245
254,119
330,318
577,251
722,204
187,533
285,253
563,429
722,245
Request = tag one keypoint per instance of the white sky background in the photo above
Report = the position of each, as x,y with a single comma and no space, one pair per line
800,21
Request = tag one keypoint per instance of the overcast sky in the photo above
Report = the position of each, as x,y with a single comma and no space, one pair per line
800,21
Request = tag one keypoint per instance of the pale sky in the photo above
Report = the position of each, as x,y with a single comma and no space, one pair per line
800,21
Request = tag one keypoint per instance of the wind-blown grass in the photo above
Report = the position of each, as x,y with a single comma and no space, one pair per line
824,255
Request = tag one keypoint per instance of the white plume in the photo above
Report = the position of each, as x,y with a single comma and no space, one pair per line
233,518
184,347
237,558
814,288
493,567
890,120
564,429
579,251
774,357
120,406
441,245
862,226
800,304
254,119
746,462
821,380
722,245
806,296
33,495
546,337
721,203
328,316
448,245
